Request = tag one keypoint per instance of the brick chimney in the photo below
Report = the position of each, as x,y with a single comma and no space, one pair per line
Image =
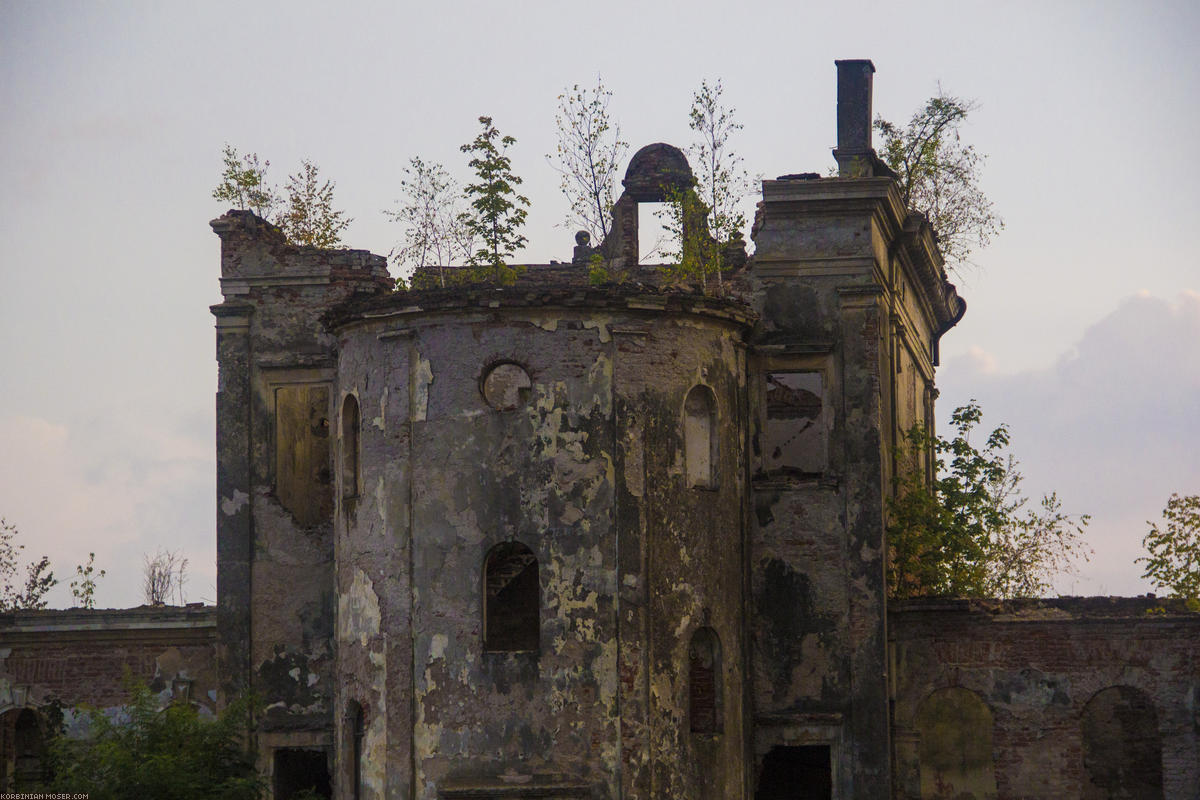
854,155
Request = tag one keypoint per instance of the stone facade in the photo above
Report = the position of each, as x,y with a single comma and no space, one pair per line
560,540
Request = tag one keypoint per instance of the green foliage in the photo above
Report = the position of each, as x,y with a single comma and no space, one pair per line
169,754
1174,549
939,176
435,229
973,533
703,221
83,588
244,184
721,180
39,578
697,258
498,211
587,157
309,217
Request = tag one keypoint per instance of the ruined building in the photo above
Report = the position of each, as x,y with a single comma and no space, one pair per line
564,541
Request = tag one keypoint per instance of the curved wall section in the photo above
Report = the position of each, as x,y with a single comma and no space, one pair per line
556,432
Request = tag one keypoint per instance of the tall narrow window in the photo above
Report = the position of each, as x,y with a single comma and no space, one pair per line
350,428
357,731
700,437
704,682
511,599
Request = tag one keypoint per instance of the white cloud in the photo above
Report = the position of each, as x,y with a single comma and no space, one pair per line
119,487
1113,426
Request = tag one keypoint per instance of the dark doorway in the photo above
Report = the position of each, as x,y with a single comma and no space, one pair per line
297,770
796,773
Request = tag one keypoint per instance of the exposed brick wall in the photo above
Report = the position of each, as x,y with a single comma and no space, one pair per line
80,656
1036,664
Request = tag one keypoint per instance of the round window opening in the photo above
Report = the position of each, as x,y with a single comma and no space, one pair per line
506,386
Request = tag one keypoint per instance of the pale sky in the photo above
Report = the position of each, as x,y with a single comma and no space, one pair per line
1083,318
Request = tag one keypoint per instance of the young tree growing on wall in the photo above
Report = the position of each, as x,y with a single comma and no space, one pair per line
973,533
498,212
309,217
163,575
435,226
939,176
244,184
722,184
83,587
587,157
39,579
1173,560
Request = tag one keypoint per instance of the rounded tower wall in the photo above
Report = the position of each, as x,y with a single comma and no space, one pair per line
552,445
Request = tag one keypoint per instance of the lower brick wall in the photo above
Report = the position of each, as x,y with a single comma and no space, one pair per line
1035,667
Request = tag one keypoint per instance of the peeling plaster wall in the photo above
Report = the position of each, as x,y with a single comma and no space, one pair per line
588,472
1036,664
275,544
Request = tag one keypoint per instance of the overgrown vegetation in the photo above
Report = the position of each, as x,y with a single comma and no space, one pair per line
498,212
589,153
434,223
304,210
939,176
973,533
175,753
163,575
83,587
17,593
1173,560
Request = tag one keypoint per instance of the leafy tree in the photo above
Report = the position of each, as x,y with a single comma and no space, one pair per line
973,533
169,754
83,588
589,152
309,217
939,176
1174,550
704,221
498,211
721,179
39,578
244,184
435,228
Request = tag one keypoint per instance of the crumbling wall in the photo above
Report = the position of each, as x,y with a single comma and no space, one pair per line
55,664
1077,690
576,453
275,391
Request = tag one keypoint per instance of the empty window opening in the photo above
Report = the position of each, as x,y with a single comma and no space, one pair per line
299,770
799,772
512,599
1122,748
704,682
954,748
657,242
350,451
23,764
357,725
700,437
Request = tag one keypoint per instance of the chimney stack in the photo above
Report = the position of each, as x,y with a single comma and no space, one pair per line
854,155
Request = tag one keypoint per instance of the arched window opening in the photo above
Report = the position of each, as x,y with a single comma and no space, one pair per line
1122,748
704,682
22,732
350,428
511,599
955,745
700,437
357,732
